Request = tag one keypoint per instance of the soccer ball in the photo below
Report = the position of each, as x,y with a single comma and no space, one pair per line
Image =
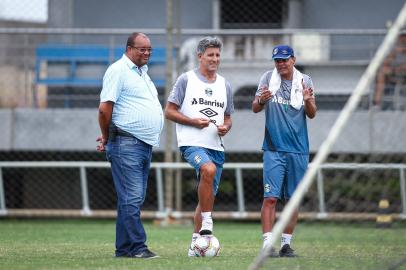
206,246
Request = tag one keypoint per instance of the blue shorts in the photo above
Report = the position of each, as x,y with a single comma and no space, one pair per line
197,156
282,173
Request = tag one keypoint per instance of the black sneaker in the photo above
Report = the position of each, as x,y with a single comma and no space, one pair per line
205,232
287,251
146,254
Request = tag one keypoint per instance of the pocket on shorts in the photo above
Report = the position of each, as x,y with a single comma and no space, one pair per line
185,151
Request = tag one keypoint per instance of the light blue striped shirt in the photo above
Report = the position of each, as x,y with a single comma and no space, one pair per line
136,106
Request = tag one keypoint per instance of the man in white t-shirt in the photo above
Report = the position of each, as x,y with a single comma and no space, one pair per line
201,104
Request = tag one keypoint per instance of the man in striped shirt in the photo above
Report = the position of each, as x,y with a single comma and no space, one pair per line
131,121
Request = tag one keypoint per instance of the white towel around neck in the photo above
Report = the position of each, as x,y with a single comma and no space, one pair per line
296,92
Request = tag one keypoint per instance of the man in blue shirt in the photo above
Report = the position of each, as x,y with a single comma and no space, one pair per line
287,97
131,121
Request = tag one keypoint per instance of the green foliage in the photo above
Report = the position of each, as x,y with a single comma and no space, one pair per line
89,244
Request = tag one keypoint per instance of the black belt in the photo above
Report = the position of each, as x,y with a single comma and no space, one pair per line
115,131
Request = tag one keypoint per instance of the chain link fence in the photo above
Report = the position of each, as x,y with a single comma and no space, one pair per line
50,80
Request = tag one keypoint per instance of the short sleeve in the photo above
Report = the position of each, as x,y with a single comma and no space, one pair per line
177,94
263,81
111,85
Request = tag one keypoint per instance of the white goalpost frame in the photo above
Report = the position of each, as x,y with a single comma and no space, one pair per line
336,129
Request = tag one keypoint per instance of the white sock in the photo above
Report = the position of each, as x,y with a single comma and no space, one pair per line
266,237
207,222
286,238
206,215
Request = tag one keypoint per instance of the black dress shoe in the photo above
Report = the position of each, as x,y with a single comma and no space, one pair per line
146,254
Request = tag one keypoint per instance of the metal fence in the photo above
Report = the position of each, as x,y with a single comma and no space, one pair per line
39,113
157,208
328,55
57,113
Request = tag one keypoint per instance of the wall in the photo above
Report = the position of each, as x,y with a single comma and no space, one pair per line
347,14
139,14
77,129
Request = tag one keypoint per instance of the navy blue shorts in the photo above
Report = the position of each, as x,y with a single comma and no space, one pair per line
197,156
282,173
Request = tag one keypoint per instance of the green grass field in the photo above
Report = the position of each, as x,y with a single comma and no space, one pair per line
89,244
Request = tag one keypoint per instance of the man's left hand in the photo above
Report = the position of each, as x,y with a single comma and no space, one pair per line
222,130
307,92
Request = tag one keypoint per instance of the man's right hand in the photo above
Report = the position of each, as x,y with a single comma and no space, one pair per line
102,142
265,95
201,122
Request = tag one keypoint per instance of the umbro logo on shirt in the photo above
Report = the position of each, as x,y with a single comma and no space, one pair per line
209,112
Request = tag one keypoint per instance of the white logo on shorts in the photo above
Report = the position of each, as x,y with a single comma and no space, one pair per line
267,187
198,159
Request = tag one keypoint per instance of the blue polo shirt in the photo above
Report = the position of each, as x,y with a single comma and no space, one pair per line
285,127
136,106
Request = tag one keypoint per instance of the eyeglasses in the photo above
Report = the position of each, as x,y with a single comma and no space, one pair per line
142,49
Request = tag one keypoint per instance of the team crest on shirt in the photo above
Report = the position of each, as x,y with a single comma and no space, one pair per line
267,187
208,91
197,159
